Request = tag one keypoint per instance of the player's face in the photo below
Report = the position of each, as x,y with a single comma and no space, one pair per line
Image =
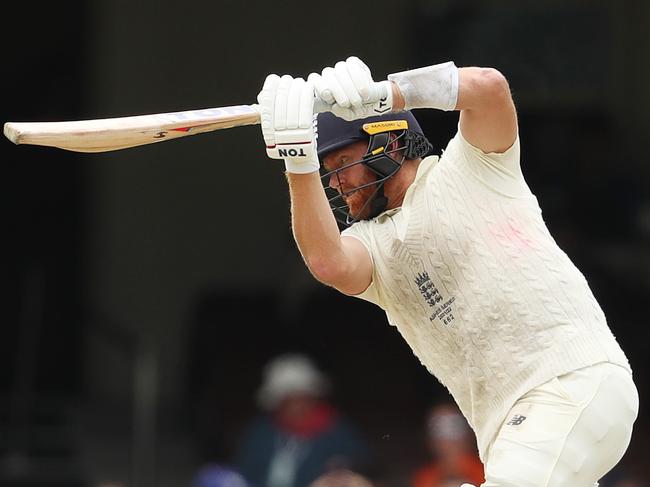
352,176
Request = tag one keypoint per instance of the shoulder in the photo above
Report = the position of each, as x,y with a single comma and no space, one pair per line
498,171
509,159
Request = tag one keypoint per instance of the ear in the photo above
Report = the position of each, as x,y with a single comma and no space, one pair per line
394,144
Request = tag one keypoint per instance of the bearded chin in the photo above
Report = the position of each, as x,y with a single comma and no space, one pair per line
360,202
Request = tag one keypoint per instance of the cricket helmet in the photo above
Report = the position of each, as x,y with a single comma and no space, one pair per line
392,138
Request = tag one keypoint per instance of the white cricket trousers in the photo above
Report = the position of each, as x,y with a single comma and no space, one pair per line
568,432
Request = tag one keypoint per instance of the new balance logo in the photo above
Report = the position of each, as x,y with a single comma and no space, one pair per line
516,420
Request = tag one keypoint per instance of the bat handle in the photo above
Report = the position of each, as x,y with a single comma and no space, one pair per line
379,91
320,106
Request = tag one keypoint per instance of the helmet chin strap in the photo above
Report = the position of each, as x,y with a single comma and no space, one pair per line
378,202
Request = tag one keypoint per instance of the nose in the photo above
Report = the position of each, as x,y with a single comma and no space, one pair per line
335,180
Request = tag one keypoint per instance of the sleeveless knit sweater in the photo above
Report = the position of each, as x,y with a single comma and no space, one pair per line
469,274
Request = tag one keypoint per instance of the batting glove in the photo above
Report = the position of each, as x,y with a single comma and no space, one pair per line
350,90
286,108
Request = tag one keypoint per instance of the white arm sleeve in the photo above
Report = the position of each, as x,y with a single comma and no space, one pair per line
429,87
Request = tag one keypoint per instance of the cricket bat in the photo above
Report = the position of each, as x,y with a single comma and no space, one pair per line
110,134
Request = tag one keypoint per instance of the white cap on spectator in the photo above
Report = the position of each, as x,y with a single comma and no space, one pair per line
287,374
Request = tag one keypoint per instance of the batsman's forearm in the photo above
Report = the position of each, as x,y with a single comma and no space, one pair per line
314,226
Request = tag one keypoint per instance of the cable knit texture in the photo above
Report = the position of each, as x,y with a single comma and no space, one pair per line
468,272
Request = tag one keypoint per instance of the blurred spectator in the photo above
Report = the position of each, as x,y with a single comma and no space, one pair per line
301,436
342,478
450,442
215,475
627,482
620,477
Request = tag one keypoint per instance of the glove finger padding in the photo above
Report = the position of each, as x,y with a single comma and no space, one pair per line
322,90
293,129
306,112
351,91
344,77
360,75
281,102
266,101
293,103
333,88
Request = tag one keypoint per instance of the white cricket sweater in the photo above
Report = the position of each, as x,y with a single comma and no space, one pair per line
469,274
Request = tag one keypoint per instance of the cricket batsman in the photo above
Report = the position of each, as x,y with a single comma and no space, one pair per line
455,250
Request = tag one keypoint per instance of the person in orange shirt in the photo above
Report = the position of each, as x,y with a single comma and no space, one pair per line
449,440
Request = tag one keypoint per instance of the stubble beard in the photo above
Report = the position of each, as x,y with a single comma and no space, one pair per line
359,202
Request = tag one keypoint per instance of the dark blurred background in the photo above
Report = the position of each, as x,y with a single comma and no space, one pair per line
144,289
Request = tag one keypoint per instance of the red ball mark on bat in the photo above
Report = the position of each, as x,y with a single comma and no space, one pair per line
190,127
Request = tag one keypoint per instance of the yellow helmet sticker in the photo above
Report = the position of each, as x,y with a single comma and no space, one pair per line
387,126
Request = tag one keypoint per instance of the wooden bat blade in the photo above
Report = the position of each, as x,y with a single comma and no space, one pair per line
109,134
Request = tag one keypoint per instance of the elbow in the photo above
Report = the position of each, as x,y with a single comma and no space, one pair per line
494,86
325,270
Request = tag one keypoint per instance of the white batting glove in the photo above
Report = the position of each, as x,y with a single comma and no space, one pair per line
286,108
350,90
